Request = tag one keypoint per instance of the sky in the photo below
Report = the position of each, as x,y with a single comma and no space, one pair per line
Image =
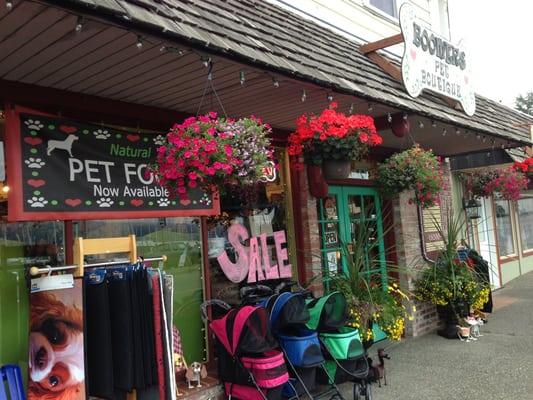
498,38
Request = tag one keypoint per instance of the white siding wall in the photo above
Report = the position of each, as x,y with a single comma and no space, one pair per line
363,21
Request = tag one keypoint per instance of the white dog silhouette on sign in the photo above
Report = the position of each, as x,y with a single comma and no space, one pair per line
61,144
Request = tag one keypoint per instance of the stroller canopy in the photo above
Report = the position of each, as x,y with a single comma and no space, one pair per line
244,331
327,312
287,310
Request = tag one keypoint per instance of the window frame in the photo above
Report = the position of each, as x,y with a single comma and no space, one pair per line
524,252
391,18
514,255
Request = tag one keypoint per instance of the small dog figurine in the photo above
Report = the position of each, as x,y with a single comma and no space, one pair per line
195,373
179,365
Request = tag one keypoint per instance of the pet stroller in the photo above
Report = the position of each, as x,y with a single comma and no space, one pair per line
249,363
346,358
288,318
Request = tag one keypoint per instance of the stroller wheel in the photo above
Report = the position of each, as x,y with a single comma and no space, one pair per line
356,391
368,392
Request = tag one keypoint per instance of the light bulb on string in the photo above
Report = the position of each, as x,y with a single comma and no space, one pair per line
502,146
79,25
389,118
329,97
433,124
484,139
5,189
304,96
444,131
478,136
370,107
163,48
275,82
405,116
139,43
206,61
350,111
242,78
420,124
9,5
457,131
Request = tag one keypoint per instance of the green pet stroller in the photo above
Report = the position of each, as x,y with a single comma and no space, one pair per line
346,357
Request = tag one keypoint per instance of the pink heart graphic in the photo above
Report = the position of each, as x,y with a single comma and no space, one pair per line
36,182
67,129
413,55
133,138
34,141
185,202
73,202
136,202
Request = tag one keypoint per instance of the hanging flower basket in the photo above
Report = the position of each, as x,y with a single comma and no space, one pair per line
337,169
525,167
413,169
213,154
332,135
507,183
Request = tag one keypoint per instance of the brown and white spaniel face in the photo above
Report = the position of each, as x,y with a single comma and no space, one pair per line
56,365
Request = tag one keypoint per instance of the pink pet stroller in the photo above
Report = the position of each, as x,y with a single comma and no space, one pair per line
249,363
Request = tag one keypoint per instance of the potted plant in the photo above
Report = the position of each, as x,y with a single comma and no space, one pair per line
525,166
412,169
213,154
373,304
450,283
333,139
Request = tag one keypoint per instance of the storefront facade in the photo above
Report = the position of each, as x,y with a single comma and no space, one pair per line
139,71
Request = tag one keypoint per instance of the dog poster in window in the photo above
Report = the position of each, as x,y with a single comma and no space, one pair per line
56,346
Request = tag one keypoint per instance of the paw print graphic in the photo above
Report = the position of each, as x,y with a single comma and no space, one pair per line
36,163
101,134
159,140
104,202
163,202
205,200
37,202
34,124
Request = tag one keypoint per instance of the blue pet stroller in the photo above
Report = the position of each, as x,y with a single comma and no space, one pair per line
288,318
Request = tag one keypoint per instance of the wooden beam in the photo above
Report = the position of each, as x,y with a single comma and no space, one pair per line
381,44
386,66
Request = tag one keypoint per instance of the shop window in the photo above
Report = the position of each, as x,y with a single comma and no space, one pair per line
264,209
180,240
504,228
388,7
525,220
23,245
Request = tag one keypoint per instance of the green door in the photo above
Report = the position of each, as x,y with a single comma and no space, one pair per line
342,215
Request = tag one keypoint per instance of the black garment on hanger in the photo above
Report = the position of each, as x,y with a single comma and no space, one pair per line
98,337
121,329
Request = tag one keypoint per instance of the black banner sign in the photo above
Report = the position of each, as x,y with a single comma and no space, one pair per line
73,170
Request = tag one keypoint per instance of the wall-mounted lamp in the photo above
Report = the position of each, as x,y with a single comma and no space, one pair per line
472,207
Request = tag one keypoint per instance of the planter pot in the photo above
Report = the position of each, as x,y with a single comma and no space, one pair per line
337,169
317,184
449,315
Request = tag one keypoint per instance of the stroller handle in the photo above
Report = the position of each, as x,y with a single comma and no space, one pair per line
248,290
209,303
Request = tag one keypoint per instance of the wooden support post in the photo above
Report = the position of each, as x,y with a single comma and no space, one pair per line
381,44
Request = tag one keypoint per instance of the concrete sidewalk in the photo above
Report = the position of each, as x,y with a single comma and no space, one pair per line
499,366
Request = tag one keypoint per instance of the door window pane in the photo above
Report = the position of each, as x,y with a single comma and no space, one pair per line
504,227
387,6
180,240
525,220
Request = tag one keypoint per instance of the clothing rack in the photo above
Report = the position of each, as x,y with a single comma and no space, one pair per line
83,247
48,268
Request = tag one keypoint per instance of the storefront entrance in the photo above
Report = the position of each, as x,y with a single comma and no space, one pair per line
351,216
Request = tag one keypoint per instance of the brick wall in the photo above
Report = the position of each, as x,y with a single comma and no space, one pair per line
311,235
